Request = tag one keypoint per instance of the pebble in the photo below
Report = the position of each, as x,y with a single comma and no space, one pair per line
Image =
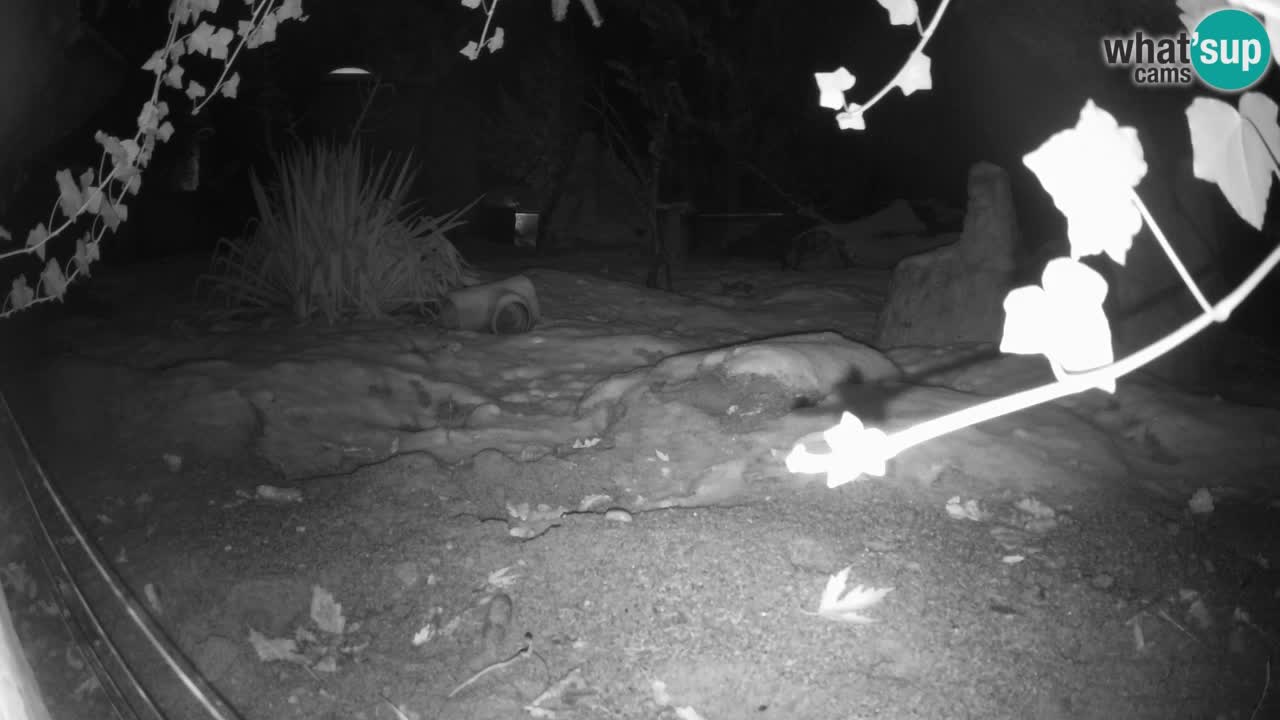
408,574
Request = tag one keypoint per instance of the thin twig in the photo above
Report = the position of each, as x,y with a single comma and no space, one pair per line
396,709
1165,616
1265,688
521,653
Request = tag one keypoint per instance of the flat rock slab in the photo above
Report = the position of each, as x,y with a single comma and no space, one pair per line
694,413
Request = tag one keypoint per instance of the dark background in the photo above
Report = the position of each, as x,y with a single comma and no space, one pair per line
1006,76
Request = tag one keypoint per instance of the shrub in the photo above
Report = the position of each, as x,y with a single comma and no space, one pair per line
340,238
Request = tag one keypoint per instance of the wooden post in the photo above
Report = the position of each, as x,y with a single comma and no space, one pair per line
20,697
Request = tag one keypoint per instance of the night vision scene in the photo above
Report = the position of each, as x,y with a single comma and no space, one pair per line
639,360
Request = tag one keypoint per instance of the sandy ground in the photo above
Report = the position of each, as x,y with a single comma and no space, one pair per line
1077,583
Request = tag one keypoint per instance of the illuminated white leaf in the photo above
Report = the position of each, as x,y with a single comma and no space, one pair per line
916,74
495,42
901,12
832,87
843,605
1090,171
851,118
1062,320
855,451
1235,150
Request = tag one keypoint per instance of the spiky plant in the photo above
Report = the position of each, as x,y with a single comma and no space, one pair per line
339,238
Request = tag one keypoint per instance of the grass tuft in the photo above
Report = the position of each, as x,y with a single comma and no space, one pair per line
338,238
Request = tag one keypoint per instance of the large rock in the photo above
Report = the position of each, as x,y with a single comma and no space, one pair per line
956,293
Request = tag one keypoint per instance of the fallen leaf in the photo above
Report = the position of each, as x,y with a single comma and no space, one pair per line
275,649
846,606
326,613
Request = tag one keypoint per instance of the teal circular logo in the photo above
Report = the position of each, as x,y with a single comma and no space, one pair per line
1231,50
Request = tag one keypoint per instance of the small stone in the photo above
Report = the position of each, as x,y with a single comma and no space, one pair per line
271,493
1201,503
216,656
407,573
1102,581
618,515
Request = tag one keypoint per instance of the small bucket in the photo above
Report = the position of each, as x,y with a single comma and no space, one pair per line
505,307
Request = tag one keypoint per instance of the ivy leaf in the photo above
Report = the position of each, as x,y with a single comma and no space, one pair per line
195,90
855,451
5,236
901,12
93,200
494,43
471,51
473,4
291,10
111,213
21,294
157,63
210,41
267,30
124,154
53,281
231,86
37,238
186,11
916,74
114,213
201,38
851,118
593,12
69,198
130,147
1061,319
832,87
173,78
112,145
148,149
1090,171
86,253
151,115
1236,150
219,48
256,36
